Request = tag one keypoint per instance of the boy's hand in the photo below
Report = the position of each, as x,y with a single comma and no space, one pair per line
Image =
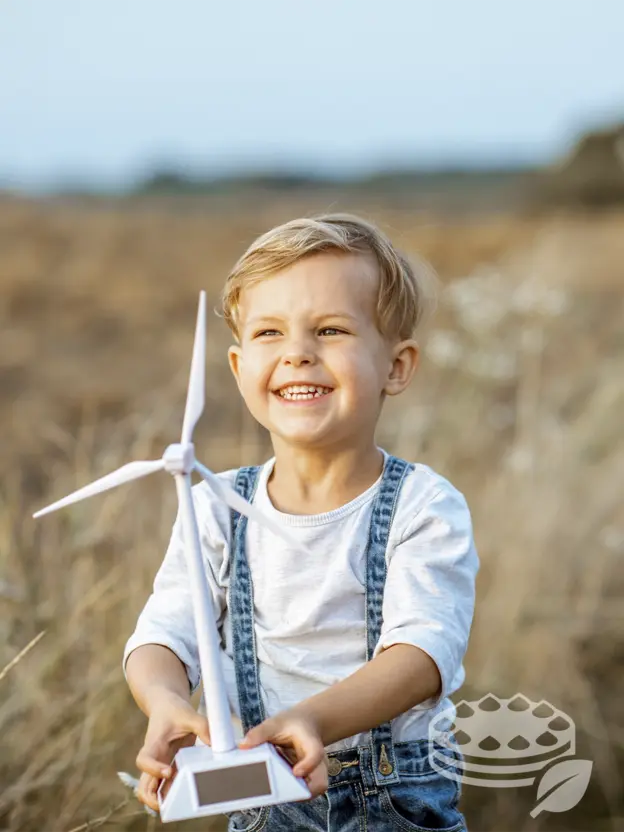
173,724
297,736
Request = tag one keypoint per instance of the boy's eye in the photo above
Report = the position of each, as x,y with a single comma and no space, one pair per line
331,329
266,332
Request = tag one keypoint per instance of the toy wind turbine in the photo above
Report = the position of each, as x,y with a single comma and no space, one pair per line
221,778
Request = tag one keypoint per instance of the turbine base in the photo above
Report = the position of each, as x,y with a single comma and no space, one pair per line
208,783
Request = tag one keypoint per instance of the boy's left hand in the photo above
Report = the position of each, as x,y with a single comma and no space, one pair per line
298,738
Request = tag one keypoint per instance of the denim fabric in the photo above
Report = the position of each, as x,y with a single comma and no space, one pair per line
382,786
241,610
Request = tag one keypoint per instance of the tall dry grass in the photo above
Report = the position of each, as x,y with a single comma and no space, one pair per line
519,402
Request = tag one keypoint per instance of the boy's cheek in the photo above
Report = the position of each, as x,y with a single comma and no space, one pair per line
250,381
256,400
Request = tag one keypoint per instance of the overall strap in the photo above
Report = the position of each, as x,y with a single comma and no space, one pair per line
384,762
241,608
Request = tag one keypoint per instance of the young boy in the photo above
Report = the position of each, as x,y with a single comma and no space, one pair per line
343,657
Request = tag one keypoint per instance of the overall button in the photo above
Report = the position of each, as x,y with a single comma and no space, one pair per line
334,767
385,766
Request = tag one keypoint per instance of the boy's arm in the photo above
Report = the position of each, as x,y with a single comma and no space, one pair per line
396,680
153,670
161,658
159,684
167,620
393,682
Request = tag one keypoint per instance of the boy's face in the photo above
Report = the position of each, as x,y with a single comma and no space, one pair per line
314,324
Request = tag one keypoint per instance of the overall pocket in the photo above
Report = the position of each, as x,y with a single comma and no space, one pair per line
248,820
423,803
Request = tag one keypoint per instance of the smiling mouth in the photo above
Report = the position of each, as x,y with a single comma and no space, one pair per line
304,392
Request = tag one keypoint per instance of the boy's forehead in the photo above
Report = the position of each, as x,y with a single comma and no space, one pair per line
342,286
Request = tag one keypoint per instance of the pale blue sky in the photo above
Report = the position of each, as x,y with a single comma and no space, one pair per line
107,89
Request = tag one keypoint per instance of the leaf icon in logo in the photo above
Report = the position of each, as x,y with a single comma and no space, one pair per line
564,785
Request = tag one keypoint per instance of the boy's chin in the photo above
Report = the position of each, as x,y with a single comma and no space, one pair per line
297,439
310,440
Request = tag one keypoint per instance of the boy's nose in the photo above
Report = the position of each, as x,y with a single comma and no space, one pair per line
298,358
297,352
298,349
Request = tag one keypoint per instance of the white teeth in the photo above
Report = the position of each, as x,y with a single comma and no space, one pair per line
303,391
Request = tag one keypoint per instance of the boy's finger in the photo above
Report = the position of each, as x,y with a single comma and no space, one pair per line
145,786
198,725
310,754
188,721
318,781
256,736
150,764
147,791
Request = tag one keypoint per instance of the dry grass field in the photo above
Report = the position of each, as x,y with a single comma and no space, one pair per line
519,401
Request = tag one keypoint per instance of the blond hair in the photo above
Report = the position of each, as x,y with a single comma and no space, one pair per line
404,296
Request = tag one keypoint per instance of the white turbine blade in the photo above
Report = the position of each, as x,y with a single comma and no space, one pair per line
238,503
197,380
131,471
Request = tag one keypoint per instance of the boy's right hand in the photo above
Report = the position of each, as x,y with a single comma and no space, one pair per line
173,724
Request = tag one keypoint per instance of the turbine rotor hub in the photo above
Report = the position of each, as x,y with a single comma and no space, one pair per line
179,459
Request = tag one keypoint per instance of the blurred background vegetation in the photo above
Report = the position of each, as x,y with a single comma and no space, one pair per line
519,401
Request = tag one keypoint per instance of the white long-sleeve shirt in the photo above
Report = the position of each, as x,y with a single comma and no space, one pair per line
310,609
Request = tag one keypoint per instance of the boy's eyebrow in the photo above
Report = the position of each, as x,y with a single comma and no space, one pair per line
258,318
263,318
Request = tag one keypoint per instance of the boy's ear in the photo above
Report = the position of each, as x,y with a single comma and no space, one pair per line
404,364
235,358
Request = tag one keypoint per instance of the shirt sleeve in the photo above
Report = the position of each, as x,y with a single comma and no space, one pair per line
167,617
429,594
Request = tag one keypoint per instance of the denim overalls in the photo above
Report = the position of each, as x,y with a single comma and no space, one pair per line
378,787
